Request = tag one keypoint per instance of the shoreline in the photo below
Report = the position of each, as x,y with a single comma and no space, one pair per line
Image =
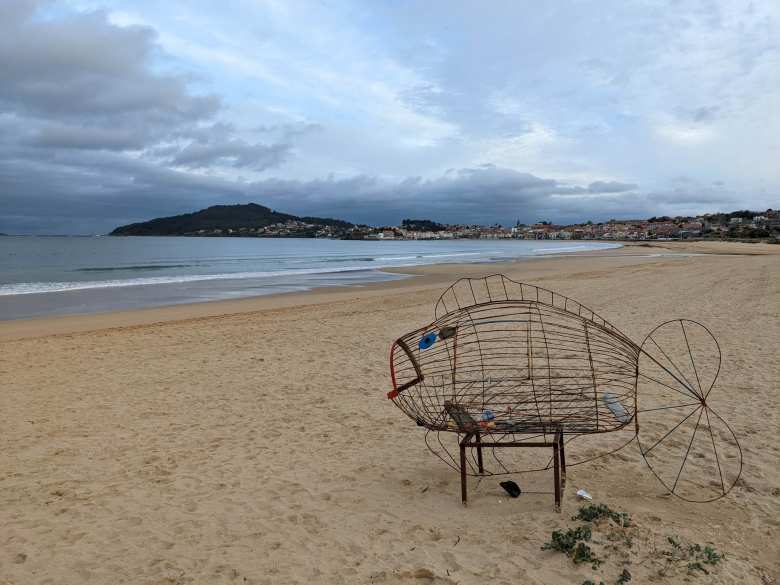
420,277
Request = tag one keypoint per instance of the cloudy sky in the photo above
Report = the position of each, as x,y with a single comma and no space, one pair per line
113,111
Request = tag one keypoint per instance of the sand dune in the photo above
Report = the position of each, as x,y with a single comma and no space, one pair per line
251,441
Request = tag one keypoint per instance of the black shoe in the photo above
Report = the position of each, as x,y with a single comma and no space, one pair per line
511,488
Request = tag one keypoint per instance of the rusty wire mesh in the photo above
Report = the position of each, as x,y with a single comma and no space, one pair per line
515,362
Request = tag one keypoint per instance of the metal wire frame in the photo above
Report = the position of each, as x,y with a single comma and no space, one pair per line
535,367
678,416
437,443
522,363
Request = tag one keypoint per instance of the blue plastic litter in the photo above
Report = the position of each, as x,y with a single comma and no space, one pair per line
427,340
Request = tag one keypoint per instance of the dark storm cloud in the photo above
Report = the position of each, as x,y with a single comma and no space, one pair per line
485,194
85,120
88,138
93,192
83,192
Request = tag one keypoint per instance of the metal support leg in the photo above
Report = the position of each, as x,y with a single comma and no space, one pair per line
463,486
557,475
563,461
479,455
559,459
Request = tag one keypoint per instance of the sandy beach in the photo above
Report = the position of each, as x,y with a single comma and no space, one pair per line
252,442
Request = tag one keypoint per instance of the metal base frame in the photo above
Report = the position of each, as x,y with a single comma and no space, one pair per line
559,460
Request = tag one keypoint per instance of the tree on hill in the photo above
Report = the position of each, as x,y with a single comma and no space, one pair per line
422,225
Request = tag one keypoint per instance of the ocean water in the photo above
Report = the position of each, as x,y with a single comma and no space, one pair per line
60,275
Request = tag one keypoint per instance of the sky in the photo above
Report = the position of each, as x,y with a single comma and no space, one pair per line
116,111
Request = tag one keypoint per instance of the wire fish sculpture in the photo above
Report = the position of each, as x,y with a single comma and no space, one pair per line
508,364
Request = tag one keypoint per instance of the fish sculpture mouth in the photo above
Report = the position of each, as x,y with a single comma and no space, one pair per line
508,362
408,369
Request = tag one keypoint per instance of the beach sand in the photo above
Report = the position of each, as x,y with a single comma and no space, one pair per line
251,441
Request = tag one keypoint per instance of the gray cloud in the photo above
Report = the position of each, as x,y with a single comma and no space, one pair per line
611,187
84,67
93,192
85,119
88,138
288,131
485,194
102,124
704,113
236,153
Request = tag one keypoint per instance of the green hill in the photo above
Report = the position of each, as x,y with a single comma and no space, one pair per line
220,218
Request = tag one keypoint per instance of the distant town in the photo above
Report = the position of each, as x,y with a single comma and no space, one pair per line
735,225
258,221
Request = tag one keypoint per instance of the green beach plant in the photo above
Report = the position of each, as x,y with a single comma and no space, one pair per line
597,512
606,533
566,541
572,543
695,556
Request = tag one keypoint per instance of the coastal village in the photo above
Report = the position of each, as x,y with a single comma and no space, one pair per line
735,225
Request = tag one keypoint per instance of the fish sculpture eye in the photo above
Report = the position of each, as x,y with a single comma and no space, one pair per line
427,340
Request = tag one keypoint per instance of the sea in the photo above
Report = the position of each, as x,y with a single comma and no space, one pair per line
72,274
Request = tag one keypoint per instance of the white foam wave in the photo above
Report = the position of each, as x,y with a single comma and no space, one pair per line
558,250
424,256
25,288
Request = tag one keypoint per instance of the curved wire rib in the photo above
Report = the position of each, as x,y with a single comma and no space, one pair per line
689,470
